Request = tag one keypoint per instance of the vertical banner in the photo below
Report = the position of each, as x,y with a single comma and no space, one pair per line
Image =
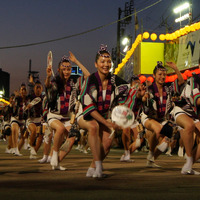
189,50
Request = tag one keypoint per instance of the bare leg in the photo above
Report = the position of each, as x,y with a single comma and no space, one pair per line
187,135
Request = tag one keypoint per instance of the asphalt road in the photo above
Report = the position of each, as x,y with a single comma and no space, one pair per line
22,178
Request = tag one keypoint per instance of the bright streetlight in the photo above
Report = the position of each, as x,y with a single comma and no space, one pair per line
182,18
181,7
125,41
1,93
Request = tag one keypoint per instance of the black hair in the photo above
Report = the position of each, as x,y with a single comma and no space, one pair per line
63,59
100,53
23,85
134,78
159,66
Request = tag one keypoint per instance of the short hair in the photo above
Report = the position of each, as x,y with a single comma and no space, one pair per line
134,78
102,50
63,59
159,66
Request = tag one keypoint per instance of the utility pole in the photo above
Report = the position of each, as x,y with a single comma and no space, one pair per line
34,74
129,7
118,36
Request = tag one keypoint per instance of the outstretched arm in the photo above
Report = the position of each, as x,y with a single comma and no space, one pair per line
175,68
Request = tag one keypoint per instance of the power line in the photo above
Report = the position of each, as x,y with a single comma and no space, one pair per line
77,34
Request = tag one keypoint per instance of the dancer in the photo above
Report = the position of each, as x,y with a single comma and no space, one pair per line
102,91
187,117
61,96
7,113
19,116
134,102
156,111
34,120
47,134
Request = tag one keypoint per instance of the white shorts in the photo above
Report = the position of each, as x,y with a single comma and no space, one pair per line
64,119
177,111
36,121
144,118
14,120
6,124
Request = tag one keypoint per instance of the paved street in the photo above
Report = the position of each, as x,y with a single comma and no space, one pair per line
22,178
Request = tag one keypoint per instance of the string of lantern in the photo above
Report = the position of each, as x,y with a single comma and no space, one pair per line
168,37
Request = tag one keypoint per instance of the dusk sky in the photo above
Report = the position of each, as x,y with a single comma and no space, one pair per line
31,21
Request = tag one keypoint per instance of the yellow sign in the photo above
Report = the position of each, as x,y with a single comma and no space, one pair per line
151,52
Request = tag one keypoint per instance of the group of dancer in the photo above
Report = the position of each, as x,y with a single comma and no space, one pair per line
71,104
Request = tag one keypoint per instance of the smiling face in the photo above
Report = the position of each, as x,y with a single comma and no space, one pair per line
160,76
65,70
103,63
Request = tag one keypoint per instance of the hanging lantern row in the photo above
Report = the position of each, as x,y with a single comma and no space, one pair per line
169,36
129,54
172,36
186,74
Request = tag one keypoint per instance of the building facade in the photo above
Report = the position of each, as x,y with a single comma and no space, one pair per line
4,84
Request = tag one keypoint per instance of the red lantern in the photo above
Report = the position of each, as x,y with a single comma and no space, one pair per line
189,73
186,72
167,79
184,76
151,79
197,71
142,78
172,78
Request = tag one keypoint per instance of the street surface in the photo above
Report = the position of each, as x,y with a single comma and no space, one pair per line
24,179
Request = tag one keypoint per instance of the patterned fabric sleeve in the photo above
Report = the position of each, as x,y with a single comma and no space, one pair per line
88,98
131,99
44,108
176,86
196,90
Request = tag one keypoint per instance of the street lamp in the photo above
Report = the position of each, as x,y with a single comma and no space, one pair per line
182,7
1,93
182,18
126,41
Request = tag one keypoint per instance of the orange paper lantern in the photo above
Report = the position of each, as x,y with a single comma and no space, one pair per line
142,78
197,71
167,79
189,74
184,76
151,79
